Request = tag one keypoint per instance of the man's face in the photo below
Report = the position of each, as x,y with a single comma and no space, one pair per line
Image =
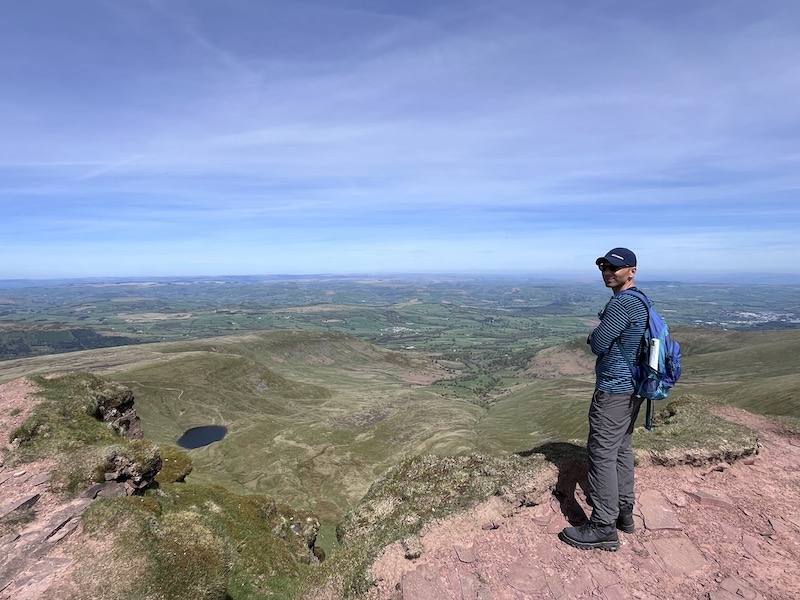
615,277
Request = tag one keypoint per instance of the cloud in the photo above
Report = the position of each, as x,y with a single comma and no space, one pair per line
467,129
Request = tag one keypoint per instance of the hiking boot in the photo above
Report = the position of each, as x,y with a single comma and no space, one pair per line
625,519
591,535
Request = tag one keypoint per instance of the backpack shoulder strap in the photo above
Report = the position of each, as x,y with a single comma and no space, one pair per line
640,295
645,300
647,305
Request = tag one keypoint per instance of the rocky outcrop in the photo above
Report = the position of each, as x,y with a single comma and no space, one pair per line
126,474
31,559
301,534
115,407
34,517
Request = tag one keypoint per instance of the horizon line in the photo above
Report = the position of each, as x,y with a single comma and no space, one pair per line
707,277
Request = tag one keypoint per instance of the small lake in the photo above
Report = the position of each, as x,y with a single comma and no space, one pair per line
196,437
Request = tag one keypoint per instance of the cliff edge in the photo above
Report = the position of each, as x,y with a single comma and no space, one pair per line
724,531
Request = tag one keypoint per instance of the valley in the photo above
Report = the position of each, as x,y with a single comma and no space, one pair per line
324,386
325,383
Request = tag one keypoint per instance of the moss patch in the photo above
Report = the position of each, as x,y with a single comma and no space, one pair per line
204,542
175,465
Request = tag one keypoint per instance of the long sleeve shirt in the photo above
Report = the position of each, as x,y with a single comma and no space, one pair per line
623,319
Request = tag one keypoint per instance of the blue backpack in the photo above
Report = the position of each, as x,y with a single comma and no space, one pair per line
658,367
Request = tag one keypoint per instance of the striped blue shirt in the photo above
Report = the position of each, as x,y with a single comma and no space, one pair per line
624,318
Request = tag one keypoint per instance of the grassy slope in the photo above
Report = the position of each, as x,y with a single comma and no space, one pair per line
539,412
315,417
756,371
180,541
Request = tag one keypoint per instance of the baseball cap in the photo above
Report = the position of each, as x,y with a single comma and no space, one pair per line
619,257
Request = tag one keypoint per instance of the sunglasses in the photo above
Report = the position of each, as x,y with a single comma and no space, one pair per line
610,267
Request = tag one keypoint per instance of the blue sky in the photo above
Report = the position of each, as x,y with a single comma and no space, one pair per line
178,137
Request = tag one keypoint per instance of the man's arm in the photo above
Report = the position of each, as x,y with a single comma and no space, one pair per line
615,320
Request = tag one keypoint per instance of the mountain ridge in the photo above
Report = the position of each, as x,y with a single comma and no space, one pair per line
735,520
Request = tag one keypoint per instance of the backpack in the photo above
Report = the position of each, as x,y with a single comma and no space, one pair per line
658,367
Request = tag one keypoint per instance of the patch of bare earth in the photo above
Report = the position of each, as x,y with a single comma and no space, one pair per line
558,362
724,532
41,530
428,375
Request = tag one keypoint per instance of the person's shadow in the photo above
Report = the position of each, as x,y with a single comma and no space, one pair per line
570,460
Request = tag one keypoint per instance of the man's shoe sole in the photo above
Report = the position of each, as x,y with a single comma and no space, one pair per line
609,546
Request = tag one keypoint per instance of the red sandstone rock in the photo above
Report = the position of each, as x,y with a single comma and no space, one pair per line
657,512
711,498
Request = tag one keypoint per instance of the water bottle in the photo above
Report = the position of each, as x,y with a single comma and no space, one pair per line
652,357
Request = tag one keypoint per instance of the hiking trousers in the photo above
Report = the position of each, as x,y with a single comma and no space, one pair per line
610,453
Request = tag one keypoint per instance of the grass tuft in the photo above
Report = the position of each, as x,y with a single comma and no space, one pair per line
175,465
687,432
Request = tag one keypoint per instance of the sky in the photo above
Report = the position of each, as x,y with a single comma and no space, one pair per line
226,137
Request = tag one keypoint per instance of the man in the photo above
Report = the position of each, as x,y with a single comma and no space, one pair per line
613,410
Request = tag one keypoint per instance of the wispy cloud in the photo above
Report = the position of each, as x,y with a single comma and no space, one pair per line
474,132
